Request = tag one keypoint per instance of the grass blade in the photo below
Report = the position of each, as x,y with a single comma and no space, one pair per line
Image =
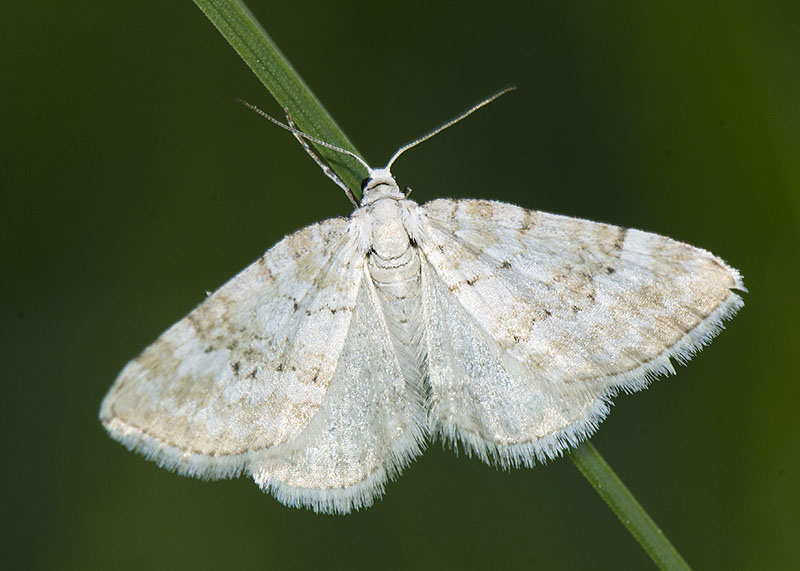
242,31
628,510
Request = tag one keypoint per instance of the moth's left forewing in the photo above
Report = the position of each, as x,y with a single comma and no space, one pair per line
246,370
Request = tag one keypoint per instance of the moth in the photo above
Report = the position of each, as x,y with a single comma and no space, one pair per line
327,365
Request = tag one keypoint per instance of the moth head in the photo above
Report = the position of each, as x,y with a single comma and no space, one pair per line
380,183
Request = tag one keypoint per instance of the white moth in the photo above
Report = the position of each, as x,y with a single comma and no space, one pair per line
325,366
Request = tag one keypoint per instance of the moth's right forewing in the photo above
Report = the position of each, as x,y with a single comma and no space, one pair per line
560,314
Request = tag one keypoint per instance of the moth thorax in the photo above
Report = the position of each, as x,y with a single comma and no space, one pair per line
389,237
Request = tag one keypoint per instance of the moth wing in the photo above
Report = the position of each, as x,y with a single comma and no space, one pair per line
287,373
248,369
370,424
536,320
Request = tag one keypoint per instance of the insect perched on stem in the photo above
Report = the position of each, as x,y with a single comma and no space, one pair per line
325,366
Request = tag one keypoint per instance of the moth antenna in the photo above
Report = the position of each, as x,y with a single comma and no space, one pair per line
449,123
303,137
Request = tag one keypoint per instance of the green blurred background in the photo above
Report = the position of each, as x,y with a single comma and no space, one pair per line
131,183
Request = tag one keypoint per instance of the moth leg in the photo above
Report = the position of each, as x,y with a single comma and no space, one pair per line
329,172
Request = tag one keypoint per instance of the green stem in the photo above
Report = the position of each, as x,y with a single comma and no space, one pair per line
248,38
242,31
628,510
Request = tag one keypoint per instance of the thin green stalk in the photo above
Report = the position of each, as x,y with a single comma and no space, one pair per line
628,510
242,31
248,38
